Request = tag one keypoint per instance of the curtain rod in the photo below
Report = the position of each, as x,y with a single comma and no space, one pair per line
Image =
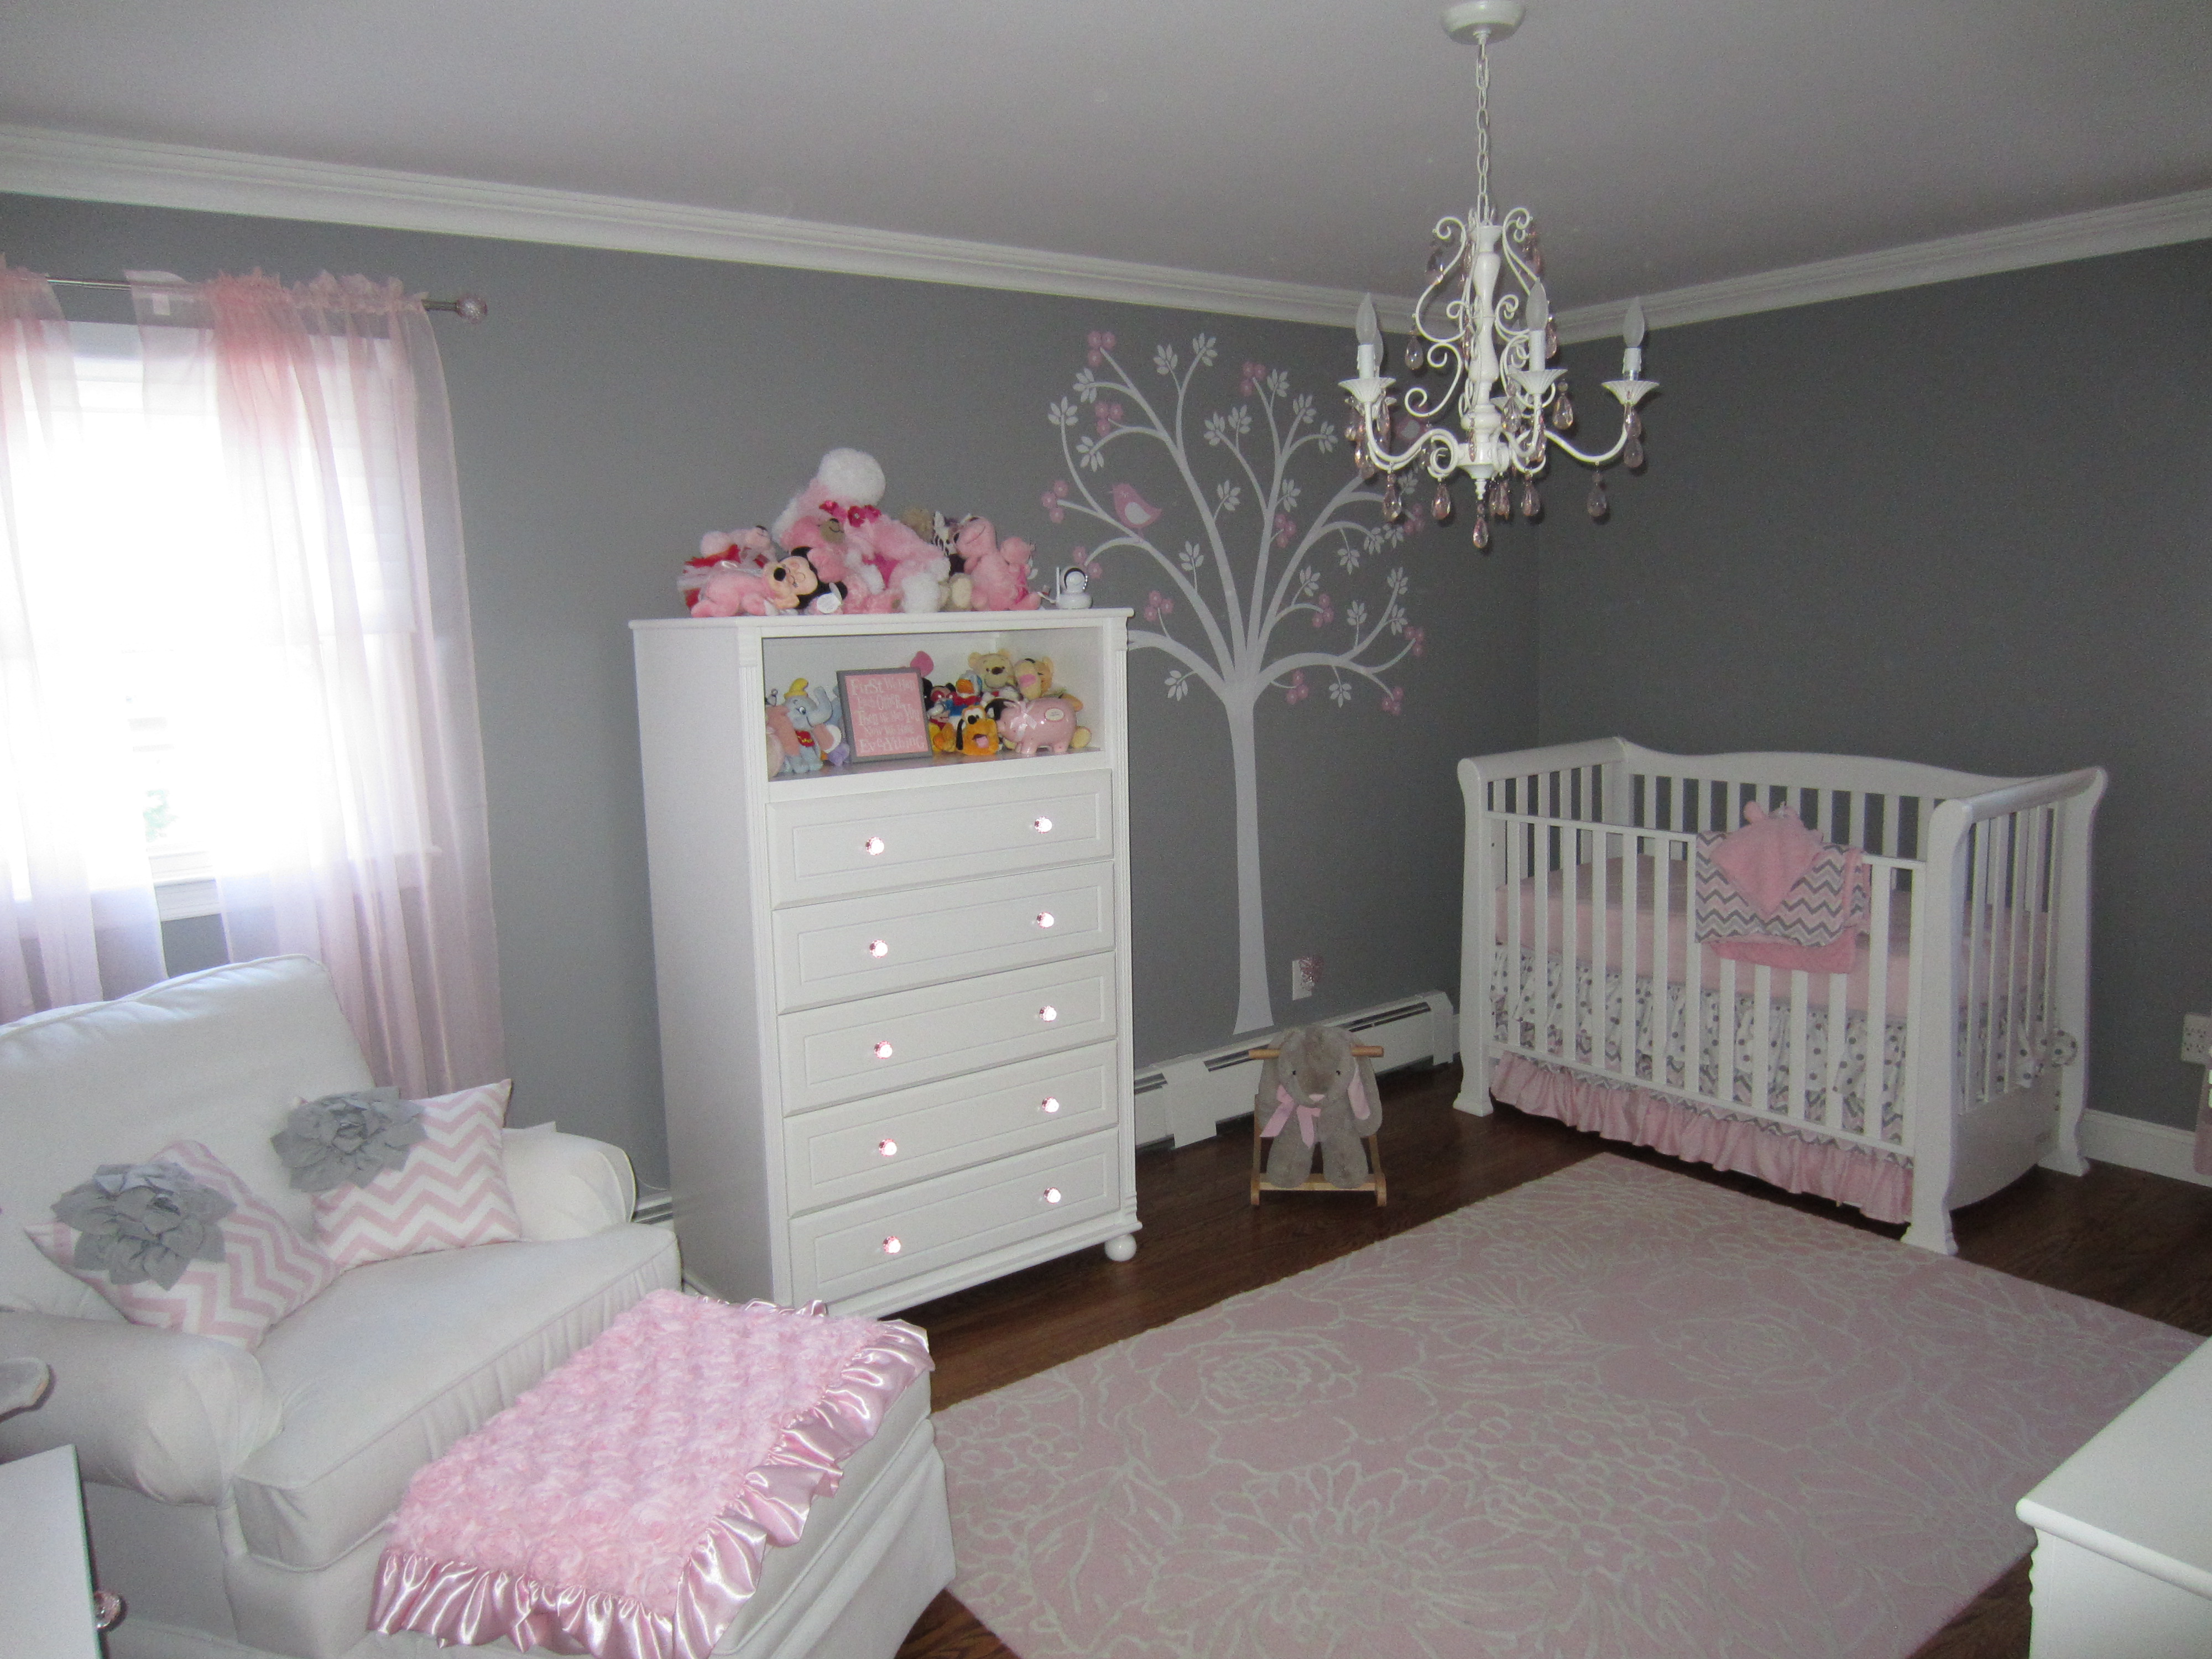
469,307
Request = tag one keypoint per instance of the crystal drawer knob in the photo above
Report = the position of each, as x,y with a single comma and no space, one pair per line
1052,1194
1048,1014
891,1246
1043,826
1044,919
878,948
873,845
888,1148
1050,1105
883,1051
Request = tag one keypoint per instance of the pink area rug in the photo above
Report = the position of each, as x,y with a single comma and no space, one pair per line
1615,1413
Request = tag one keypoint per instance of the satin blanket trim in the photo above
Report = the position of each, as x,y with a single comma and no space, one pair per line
465,1604
1879,1183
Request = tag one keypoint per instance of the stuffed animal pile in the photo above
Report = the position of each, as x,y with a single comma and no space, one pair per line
833,550
1003,703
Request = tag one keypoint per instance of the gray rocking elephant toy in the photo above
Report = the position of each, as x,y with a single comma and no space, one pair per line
1317,1089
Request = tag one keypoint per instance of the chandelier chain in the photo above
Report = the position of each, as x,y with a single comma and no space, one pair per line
1482,127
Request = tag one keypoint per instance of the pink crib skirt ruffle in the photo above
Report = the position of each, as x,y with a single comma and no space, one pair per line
1879,1183
622,1507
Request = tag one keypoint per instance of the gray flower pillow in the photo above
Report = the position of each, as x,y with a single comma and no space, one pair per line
180,1241
136,1222
347,1138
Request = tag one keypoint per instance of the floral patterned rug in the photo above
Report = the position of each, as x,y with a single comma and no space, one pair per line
1615,1413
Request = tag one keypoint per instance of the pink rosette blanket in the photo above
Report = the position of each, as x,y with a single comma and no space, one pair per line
622,1507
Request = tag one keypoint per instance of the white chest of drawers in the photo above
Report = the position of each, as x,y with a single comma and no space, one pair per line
894,996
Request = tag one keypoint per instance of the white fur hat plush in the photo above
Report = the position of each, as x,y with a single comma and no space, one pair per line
851,477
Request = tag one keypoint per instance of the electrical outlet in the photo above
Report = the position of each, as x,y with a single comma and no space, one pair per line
1305,974
2197,1039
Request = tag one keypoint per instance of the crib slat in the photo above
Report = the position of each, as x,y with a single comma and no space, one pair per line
1832,1090
1516,975
1632,890
1873,1086
1571,929
1728,1031
1600,947
1800,981
1986,945
1762,1037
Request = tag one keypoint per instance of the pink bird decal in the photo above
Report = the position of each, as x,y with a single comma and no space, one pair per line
1132,509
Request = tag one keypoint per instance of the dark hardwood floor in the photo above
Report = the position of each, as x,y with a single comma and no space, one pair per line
2135,1241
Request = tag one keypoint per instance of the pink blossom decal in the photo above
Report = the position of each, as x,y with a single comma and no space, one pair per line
1081,558
1417,637
1108,417
1053,500
1394,701
1324,611
1101,342
1296,690
1285,527
1254,375
1156,606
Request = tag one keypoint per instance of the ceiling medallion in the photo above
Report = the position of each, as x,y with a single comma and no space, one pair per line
1484,321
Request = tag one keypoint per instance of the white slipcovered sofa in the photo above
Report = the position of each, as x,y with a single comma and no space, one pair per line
238,1500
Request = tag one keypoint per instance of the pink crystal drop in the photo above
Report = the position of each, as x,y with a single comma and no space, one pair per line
1481,533
1532,504
1635,424
1391,509
1563,413
1440,504
1631,455
1501,499
1415,361
1599,507
1551,340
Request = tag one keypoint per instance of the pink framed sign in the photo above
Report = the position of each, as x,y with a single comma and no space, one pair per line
884,714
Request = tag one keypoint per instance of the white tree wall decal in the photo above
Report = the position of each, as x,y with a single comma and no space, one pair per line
1246,570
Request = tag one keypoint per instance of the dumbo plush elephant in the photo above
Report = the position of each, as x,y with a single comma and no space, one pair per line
1314,1092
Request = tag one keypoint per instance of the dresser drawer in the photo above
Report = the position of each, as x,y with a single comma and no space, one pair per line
892,1042
878,1241
864,843
870,1145
893,941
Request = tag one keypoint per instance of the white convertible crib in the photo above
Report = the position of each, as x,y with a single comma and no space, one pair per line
1944,1064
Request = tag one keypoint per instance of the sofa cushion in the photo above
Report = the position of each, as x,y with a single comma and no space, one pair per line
260,1269
217,1057
398,1359
449,1192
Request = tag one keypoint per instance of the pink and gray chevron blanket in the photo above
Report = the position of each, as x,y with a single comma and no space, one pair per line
1773,893
622,1507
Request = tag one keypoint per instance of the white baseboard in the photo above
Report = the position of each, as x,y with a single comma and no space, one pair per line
1185,1098
2107,1138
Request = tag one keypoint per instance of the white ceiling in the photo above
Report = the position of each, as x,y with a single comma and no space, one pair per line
1663,143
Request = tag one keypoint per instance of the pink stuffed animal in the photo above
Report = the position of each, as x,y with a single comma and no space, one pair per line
727,552
728,592
833,521
1046,723
998,571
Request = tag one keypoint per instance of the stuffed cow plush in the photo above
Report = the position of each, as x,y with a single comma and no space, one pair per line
1316,1093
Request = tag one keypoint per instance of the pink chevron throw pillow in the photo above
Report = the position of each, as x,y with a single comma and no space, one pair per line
451,1191
266,1270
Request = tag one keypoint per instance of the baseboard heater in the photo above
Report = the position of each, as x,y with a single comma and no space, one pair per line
1188,1100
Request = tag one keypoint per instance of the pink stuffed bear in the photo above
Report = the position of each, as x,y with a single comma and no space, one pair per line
729,577
1000,571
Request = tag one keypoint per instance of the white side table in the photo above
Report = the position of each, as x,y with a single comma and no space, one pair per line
2123,1531
45,1571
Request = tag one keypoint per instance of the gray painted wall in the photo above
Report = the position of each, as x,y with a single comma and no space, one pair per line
617,405
1969,525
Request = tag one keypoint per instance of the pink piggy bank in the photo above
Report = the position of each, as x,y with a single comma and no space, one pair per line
1046,723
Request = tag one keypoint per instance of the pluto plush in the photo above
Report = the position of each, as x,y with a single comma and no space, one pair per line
1316,1093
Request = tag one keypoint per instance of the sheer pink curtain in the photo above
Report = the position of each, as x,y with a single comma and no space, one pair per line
336,691
77,918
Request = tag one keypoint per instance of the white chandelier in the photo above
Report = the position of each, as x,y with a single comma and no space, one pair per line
1493,347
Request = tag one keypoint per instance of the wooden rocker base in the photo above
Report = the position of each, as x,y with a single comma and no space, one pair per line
1375,1181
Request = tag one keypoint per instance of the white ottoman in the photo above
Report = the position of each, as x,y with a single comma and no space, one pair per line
2123,1531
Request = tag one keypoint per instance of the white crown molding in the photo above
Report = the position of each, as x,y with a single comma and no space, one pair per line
35,162
38,162
2186,218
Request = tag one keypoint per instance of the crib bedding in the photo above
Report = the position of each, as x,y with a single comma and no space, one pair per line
1605,1038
